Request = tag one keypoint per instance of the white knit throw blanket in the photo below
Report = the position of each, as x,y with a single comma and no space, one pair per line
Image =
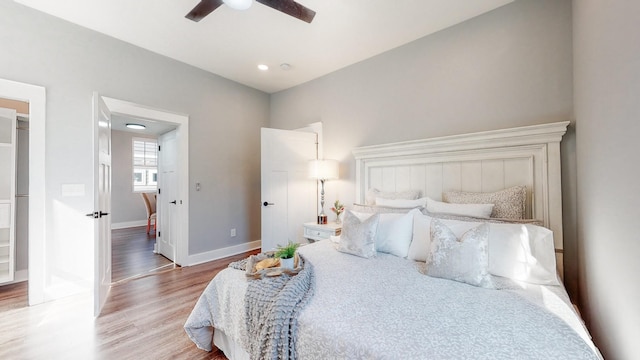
272,305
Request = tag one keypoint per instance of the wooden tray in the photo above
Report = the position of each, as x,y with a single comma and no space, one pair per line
272,271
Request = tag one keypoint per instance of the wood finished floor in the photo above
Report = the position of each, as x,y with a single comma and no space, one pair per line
142,319
132,253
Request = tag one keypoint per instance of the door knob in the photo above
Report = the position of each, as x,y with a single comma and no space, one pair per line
173,202
101,214
267,203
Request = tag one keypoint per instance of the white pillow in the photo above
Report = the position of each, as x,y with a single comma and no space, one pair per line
475,210
401,203
373,193
523,252
421,243
395,232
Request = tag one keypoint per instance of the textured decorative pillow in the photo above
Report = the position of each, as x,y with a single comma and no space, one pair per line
465,260
402,203
509,203
475,210
394,233
358,237
372,194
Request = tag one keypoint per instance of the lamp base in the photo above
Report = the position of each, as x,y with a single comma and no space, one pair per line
322,219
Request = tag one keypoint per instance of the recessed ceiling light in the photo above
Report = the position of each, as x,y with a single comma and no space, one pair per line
285,66
263,67
136,126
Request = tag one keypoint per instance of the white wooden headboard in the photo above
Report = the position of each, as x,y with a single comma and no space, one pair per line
479,162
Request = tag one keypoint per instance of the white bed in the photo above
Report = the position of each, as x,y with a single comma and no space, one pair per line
386,307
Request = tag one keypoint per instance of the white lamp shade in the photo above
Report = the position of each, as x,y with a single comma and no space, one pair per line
238,4
323,169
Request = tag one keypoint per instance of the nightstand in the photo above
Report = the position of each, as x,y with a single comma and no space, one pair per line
315,232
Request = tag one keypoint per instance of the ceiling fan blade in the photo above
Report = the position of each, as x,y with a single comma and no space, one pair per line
292,8
204,8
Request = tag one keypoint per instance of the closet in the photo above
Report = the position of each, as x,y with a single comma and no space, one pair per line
8,139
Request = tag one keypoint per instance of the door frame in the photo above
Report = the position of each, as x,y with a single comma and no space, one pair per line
36,97
129,109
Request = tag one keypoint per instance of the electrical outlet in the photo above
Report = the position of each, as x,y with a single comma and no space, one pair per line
233,232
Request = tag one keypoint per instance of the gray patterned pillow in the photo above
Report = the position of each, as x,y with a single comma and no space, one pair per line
508,203
373,193
465,260
358,238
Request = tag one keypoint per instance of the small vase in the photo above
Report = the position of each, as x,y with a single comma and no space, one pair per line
338,220
287,263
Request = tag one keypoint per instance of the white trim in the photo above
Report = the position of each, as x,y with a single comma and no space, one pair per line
128,224
21,275
18,277
222,253
125,108
36,97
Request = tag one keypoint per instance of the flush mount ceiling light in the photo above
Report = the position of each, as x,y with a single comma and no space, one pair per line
285,66
263,67
238,4
136,126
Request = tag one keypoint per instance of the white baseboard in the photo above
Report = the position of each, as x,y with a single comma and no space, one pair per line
19,276
222,253
128,224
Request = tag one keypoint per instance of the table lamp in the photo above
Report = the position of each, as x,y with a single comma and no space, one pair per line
323,170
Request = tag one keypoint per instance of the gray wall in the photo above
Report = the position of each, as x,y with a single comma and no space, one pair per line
126,206
71,63
510,67
607,108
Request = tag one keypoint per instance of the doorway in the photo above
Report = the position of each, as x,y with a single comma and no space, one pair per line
153,116
135,165
36,98
104,109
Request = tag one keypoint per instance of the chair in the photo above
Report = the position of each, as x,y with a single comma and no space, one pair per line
150,204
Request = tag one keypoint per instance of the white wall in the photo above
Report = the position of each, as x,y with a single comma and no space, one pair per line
71,63
510,67
607,108
126,206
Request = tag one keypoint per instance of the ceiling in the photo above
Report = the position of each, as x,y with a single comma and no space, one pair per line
231,43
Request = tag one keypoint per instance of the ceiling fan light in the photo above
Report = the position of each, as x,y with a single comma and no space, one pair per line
238,4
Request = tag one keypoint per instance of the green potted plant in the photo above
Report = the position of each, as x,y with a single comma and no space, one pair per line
287,254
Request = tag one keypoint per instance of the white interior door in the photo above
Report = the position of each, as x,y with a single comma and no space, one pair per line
168,202
102,201
288,195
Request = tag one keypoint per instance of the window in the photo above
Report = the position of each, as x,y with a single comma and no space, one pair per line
145,164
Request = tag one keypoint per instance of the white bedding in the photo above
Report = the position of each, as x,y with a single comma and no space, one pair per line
385,308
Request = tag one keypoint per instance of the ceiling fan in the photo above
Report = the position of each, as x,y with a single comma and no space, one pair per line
289,7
